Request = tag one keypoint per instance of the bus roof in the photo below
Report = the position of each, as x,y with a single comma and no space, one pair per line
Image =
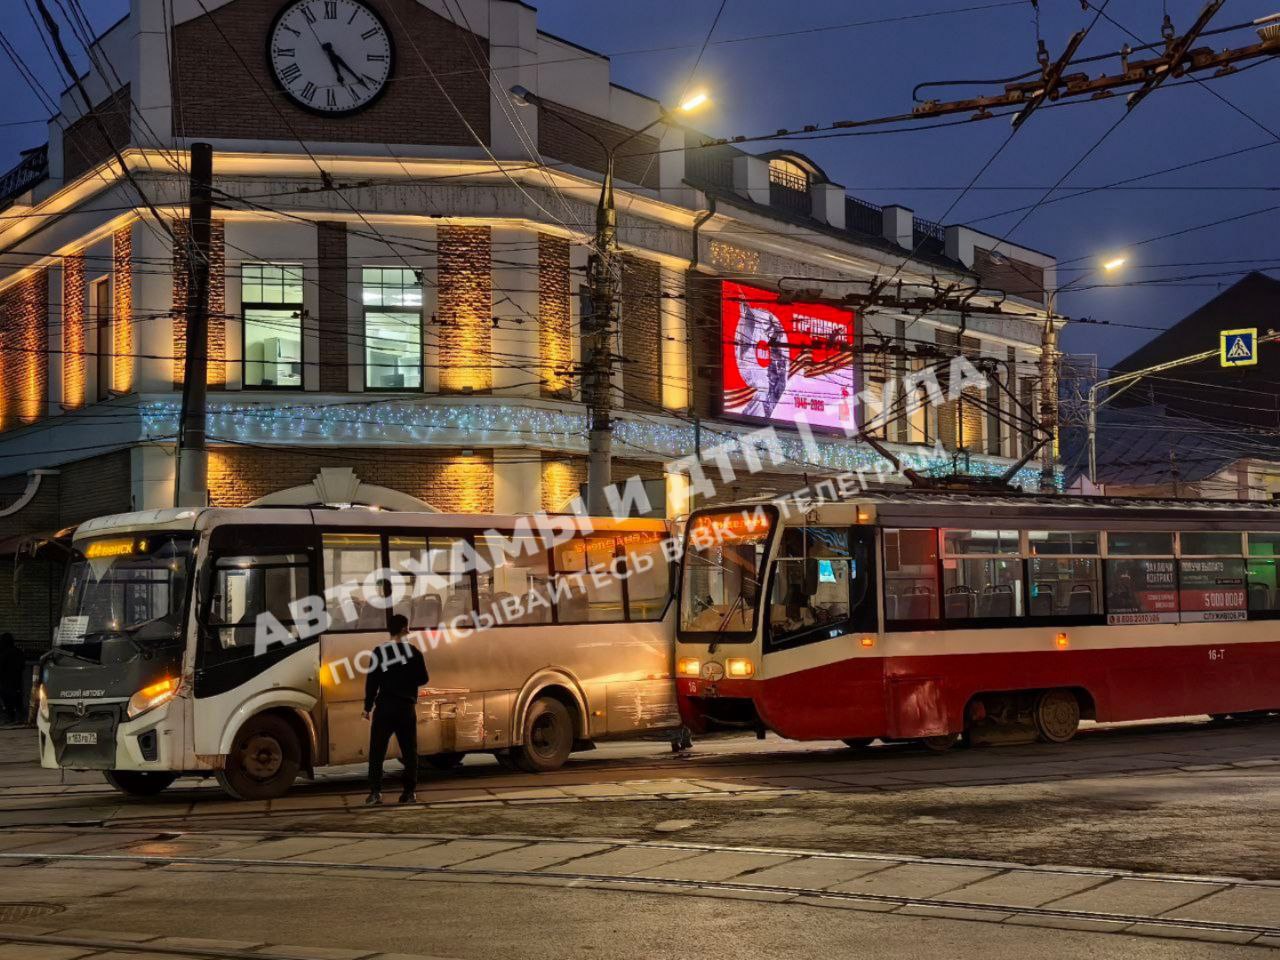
355,518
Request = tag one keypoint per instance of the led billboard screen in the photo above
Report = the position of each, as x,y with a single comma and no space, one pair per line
786,362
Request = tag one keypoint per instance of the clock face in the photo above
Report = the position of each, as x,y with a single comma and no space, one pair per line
331,56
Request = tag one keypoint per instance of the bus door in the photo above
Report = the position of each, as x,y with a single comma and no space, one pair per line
251,572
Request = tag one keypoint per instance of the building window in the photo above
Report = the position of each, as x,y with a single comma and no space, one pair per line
911,575
104,335
271,298
789,175
392,329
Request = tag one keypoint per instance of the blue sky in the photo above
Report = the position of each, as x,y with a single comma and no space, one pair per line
869,70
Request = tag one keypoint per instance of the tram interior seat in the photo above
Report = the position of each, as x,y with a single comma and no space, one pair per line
996,601
960,602
1080,602
919,603
1042,601
1259,597
426,612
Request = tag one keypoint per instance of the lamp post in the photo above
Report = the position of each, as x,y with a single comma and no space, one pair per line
603,281
1049,376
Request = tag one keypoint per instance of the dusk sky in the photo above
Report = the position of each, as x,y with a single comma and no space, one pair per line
848,71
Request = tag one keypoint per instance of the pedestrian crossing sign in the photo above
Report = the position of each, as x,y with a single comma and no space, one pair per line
1239,348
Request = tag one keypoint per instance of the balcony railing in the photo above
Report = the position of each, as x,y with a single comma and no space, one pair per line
863,217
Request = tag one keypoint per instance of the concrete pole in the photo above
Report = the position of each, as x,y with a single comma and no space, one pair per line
598,380
193,457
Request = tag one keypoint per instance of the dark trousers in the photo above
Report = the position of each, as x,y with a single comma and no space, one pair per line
11,705
402,720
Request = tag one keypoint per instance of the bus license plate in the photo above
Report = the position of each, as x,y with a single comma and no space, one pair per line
84,738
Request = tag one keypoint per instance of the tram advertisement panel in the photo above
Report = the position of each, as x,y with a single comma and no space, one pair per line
1141,591
1213,590
786,362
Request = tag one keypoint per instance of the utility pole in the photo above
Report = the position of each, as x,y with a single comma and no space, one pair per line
1048,400
192,488
597,379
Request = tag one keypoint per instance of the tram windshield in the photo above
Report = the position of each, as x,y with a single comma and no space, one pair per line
724,572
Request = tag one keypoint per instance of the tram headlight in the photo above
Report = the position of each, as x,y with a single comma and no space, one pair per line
688,666
158,694
739,668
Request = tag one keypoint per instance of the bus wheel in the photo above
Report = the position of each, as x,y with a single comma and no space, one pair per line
942,743
548,737
1057,716
264,760
444,761
137,783
858,743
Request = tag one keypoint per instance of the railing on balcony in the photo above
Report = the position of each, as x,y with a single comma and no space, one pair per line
863,217
788,198
929,237
31,169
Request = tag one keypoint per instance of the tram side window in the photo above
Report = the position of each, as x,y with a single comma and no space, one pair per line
981,574
1264,584
436,592
1211,577
1065,573
648,575
349,561
812,578
517,590
911,574
580,597
245,587
1142,585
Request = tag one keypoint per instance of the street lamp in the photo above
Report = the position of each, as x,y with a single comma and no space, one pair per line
603,278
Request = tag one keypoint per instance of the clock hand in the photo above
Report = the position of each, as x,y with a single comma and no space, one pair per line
335,61
340,64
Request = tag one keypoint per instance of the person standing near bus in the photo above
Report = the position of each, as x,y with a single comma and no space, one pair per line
390,701
12,665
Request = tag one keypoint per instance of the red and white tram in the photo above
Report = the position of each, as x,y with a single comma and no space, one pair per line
924,615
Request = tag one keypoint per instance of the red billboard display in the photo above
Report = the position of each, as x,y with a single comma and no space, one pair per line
786,362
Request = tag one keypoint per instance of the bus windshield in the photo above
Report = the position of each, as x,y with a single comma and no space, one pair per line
723,572
135,584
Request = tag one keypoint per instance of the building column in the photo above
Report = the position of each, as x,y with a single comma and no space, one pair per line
676,392
515,341
152,477
517,481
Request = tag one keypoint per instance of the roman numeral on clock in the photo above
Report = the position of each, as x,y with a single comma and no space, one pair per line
369,34
311,17
330,98
331,9
376,58
290,73
309,91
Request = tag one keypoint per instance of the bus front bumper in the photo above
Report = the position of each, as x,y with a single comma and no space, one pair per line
99,736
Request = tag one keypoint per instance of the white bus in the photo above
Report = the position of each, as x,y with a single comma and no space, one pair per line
154,672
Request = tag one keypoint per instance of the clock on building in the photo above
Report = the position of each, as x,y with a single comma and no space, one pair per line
331,56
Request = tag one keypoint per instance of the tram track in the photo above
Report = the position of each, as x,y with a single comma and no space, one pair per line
575,870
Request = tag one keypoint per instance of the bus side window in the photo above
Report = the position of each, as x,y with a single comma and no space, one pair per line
579,598
245,587
349,558
648,575
439,596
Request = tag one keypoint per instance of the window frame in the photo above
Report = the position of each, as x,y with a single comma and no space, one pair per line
856,620
366,309
1077,619
251,305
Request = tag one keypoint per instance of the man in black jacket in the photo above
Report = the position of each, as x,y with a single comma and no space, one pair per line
390,698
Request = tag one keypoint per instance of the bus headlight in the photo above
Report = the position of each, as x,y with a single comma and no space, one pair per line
158,694
42,696
739,668
688,666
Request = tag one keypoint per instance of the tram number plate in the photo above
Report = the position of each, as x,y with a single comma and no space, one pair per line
84,738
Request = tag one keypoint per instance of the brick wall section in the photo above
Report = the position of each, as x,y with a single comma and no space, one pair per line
446,480
122,310
217,343
245,102
555,319
465,308
83,146
73,332
331,251
974,413
949,343
80,491
637,163
562,478
642,333
24,345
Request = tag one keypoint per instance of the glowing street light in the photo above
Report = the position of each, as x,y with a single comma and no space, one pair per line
1114,264
694,102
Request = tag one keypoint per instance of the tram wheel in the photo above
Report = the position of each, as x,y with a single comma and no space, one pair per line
1057,716
443,761
942,743
548,737
858,743
264,760
139,783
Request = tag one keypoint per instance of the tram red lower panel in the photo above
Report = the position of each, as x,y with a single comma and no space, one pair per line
904,697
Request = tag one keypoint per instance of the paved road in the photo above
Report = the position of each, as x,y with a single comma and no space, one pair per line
1128,838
